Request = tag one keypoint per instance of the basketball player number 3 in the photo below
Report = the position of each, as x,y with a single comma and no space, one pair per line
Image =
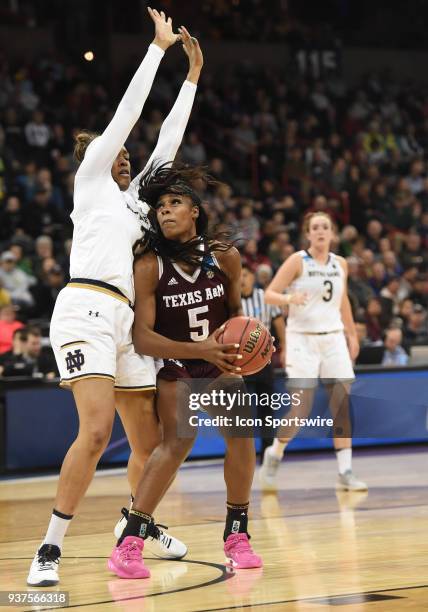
194,322
328,291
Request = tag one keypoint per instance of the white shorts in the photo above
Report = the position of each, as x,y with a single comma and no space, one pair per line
313,356
91,335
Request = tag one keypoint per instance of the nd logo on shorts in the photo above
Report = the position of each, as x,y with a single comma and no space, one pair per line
74,361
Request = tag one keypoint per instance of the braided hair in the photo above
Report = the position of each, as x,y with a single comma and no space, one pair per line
180,179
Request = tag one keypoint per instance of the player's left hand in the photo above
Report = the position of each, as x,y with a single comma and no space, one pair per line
353,346
191,49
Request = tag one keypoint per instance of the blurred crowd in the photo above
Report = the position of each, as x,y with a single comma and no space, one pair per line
279,146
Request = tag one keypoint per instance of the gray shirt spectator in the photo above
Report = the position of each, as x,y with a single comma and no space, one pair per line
15,281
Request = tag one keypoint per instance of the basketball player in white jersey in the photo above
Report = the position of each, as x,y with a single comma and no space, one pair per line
92,322
321,341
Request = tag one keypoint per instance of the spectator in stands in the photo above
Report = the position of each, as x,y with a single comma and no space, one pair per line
251,257
15,281
361,329
264,275
22,261
378,277
42,360
413,253
5,298
44,218
193,150
12,218
416,329
394,354
357,286
376,319
44,249
391,291
405,310
8,325
46,291
37,134
248,226
14,362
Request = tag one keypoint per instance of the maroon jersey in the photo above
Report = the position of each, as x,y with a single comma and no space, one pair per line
190,307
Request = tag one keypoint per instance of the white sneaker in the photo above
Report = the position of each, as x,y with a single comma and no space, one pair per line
160,544
349,482
269,470
44,568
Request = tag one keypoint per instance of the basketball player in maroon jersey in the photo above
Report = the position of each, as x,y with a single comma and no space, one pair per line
187,285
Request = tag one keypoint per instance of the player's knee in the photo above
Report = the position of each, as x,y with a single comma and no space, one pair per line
96,439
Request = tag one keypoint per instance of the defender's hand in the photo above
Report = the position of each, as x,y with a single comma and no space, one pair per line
164,36
191,49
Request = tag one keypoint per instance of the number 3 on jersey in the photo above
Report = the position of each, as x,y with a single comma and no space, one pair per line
195,323
328,292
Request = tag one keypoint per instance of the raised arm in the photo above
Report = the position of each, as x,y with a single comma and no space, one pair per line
287,273
102,152
174,126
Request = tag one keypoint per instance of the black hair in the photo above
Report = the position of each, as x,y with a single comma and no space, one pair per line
246,266
180,179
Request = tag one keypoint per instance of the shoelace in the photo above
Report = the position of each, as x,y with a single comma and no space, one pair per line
131,552
157,533
47,558
241,544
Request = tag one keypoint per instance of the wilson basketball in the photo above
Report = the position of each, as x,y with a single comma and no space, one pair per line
255,343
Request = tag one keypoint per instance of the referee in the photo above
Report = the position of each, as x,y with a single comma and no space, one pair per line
253,305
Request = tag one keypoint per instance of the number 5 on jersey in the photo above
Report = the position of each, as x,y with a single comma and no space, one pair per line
202,325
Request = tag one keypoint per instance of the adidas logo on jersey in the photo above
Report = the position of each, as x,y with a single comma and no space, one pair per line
172,281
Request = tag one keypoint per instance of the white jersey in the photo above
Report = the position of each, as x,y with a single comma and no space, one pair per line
324,284
108,221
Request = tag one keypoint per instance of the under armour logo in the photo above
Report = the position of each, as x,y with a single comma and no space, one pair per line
74,360
173,281
92,313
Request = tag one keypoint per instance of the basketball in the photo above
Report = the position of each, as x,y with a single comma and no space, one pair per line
255,343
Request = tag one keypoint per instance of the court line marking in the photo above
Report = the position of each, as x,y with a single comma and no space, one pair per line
114,471
225,575
253,520
313,599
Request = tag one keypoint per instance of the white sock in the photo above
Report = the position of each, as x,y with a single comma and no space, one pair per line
57,529
277,448
344,460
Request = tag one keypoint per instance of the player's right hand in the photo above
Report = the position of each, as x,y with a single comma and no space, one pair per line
221,355
298,298
164,36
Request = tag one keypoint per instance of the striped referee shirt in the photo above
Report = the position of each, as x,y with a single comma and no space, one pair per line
254,306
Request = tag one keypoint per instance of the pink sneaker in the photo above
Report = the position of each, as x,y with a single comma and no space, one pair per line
126,560
239,552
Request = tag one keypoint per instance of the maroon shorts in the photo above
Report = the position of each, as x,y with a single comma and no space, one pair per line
173,369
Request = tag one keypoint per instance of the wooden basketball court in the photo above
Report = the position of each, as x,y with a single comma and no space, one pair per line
321,550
